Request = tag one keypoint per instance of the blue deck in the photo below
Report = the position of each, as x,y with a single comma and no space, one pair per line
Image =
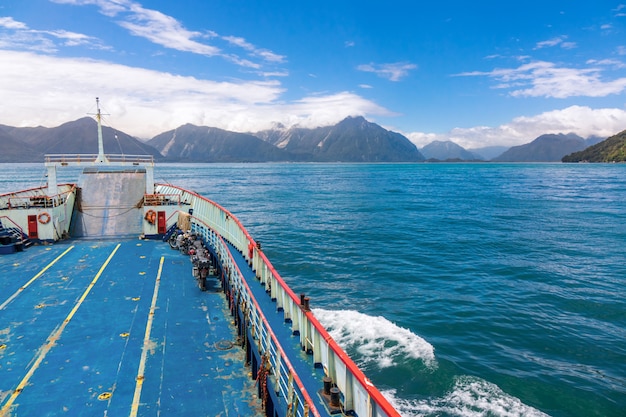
72,337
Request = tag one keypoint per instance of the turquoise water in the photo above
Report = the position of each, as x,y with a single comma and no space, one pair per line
461,289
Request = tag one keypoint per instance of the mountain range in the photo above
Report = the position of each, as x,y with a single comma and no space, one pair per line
354,139
612,149
190,143
448,151
547,148
30,144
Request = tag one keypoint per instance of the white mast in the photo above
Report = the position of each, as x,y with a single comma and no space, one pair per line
100,158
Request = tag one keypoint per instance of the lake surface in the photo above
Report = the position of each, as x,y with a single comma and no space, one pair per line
461,289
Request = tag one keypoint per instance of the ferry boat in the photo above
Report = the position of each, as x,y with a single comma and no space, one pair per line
119,296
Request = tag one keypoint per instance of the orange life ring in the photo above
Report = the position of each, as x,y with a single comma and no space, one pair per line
44,218
150,216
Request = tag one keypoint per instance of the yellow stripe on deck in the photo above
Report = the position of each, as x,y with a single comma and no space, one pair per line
54,336
23,287
146,344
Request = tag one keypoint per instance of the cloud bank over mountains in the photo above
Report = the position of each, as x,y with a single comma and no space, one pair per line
582,120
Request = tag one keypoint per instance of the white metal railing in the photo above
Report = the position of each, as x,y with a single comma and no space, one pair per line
161,199
11,227
288,383
90,158
36,197
217,224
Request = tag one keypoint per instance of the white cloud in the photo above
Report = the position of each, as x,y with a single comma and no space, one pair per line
558,41
392,71
548,43
614,63
329,109
265,54
65,90
107,7
168,32
582,120
10,23
17,35
619,10
421,139
76,39
545,79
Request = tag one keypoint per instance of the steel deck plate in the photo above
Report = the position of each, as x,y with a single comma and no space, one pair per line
106,327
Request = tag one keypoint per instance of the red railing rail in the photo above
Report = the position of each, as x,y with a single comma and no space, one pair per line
35,197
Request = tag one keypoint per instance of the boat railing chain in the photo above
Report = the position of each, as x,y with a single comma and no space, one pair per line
262,376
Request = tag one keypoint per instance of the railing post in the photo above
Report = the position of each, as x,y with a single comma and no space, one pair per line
52,180
149,180
278,370
290,400
348,394
317,348
268,340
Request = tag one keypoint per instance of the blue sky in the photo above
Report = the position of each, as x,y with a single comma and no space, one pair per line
479,73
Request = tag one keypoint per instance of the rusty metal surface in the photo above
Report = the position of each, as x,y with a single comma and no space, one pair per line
110,203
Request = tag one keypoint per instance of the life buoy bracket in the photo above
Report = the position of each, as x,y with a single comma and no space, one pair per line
44,218
150,216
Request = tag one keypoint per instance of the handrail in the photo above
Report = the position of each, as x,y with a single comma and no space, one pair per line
268,342
89,158
161,199
41,188
15,225
359,393
35,197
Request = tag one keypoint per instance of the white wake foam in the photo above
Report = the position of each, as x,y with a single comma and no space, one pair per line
376,339
470,397
379,341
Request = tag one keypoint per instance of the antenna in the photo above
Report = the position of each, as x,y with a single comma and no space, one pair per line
100,158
